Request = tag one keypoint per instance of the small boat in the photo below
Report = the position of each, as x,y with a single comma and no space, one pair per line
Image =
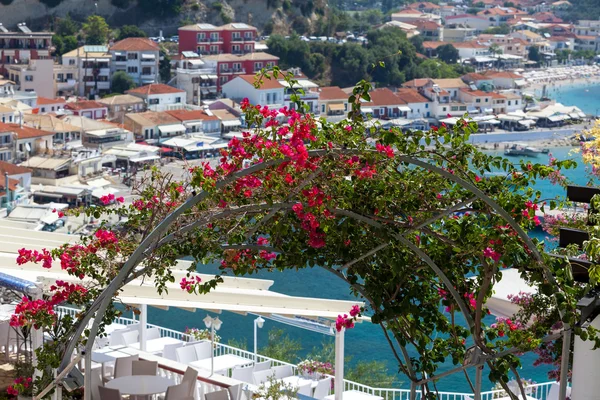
521,150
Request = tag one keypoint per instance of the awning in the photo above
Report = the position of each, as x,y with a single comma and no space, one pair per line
193,123
50,218
171,128
527,122
367,110
148,80
556,118
336,107
145,158
196,62
232,122
520,82
581,114
119,53
212,76
574,115
404,108
149,56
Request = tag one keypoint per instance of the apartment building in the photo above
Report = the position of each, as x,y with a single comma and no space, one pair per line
85,70
139,57
197,79
205,39
501,15
90,109
333,101
50,105
158,96
23,45
478,23
228,66
269,93
33,75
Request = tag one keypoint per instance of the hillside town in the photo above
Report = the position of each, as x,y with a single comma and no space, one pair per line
70,137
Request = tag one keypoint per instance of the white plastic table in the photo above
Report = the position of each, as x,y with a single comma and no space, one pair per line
297,381
355,395
222,363
156,345
140,385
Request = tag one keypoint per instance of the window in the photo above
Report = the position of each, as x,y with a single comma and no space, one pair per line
322,108
463,108
426,105
223,79
214,37
214,49
237,66
258,66
153,101
235,48
270,64
132,70
201,37
201,49
60,77
345,106
444,109
177,99
224,67
248,35
29,78
248,47
236,36
69,76
71,62
477,100
268,98
146,71
454,108
382,111
509,102
132,56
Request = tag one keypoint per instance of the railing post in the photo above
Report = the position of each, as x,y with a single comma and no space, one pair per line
143,323
339,365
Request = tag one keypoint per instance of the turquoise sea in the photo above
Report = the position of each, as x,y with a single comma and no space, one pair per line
582,95
366,341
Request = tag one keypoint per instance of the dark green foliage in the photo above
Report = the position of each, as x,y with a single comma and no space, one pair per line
447,53
64,44
217,6
51,3
127,31
96,30
534,54
498,30
580,9
225,18
161,7
120,3
6,2
121,82
164,67
300,25
66,26
195,7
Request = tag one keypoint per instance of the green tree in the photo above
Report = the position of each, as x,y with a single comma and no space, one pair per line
64,44
130,31
447,53
164,66
66,26
281,347
503,29
300,25
96,30
121,82
350,64
436,69
495,49
534,54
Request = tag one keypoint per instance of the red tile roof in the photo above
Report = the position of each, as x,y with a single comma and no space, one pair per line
411,96
425,4
332,93
502,74
84,105
384,97
450,17
155,88
24,132
42,101
266,83
476,93
495,95
192,115
473,77
416,83
433,44
12,169
425,25
469,45
135,44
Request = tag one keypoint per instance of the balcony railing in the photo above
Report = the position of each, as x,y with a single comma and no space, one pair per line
173,369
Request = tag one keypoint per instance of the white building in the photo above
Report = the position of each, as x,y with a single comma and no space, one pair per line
89,71
198,79
473,21
139,57
158,96
270,92
420,106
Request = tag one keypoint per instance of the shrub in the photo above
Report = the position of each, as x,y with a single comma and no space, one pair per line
226,18
217,6
120,3
195,7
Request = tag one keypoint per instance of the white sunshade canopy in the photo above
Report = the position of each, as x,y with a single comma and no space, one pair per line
404,108
511,284
232,122
240,295
171,128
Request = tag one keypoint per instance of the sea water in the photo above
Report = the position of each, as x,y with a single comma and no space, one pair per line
583,95
365,342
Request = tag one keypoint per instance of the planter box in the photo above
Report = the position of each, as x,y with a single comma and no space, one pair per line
581,194
569,236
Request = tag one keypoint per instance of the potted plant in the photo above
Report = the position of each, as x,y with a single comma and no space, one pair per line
201,334
275,389
315,369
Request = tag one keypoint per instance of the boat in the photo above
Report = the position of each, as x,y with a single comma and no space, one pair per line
522,150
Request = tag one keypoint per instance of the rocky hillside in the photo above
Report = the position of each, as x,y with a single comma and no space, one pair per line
166,15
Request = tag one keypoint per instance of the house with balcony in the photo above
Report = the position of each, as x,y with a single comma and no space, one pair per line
498,103
33,75
7,144
92,72
19,181
7,114
50,105
158,96
197,79
410,15
501,15
206,39
228,66
198,121
27,141
478,23
122,104
106,138
269,93
23,45
311,93
88,108
420,106
504,79
478,101
429,30
139,57
385,104
153,127
333,102
66,79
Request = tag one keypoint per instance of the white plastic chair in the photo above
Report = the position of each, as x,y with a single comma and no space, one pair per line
322,389
186,354
143,367
96,382
124,365
243,374
217,395
236,392
261,377
177,392
283,371
152,333
130,337
190,378
261,366
203,350
109,394
169,351
305,390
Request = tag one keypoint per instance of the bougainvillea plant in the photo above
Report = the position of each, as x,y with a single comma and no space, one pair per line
402,218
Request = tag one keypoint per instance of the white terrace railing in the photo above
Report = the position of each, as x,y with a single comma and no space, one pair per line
538,391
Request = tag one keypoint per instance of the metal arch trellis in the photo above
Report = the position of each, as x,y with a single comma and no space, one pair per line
155,240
